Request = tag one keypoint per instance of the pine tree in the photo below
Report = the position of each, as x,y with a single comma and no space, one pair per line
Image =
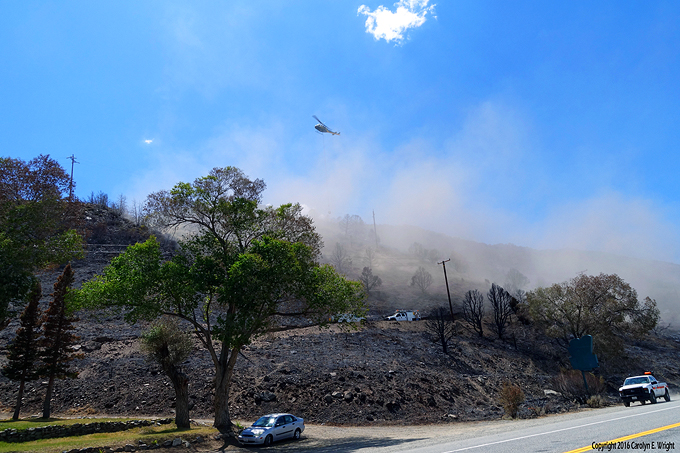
23,352
57,352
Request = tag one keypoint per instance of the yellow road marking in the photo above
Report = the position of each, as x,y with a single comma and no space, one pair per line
621,439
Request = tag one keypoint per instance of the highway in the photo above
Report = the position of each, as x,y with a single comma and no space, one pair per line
613,429
637,428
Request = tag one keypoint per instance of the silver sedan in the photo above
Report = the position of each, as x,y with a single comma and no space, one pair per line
272,427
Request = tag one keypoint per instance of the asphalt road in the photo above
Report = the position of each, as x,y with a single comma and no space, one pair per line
637,428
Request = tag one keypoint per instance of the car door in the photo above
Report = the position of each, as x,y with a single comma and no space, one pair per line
289,426
656,388
279,428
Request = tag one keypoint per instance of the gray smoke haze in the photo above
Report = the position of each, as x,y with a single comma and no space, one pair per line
486,183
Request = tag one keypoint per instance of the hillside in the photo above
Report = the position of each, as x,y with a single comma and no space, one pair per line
379,373
475,265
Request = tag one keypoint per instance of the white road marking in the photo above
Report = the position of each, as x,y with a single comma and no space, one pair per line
563,429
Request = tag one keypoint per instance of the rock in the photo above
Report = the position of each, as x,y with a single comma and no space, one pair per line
548,392
176,442
129,447
393,406
338,395
349,396
267,396
328,399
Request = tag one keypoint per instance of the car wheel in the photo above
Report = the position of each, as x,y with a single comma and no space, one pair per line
268,440
626,403
643,402
296,434
652,397
667,396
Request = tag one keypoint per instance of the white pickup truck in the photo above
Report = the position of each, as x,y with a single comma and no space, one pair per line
643,388
404,315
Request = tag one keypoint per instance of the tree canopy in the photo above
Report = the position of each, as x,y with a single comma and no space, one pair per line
242,269
604,306
36,224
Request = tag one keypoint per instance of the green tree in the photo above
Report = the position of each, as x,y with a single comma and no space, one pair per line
57,351
166,344
604,306
23,351
244,268
36,224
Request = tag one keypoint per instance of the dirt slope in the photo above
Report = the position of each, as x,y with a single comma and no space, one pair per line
380,373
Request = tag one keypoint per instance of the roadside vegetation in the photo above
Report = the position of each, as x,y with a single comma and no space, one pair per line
243,271
149,435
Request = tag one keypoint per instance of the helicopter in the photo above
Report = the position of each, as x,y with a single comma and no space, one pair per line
322,128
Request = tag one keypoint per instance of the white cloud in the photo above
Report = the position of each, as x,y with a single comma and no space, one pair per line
393,26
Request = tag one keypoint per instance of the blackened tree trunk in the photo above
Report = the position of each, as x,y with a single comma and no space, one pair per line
23,352
473,311
17,408
57,352
441,327
47,404
500,303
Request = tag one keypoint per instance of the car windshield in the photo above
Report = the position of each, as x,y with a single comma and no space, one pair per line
265,422
636,380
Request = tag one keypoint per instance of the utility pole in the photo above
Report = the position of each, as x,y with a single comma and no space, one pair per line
443,263
70,186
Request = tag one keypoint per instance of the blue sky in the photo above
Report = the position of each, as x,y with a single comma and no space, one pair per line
544,124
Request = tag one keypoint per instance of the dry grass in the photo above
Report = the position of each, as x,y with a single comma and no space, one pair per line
147,434
570,384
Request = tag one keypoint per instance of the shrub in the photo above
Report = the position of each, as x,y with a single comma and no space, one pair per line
511,397
596,401
537,411
570,384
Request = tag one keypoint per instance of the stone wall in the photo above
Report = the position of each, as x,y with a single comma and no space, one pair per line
77,429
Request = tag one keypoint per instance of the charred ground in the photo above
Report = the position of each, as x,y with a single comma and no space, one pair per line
379,372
